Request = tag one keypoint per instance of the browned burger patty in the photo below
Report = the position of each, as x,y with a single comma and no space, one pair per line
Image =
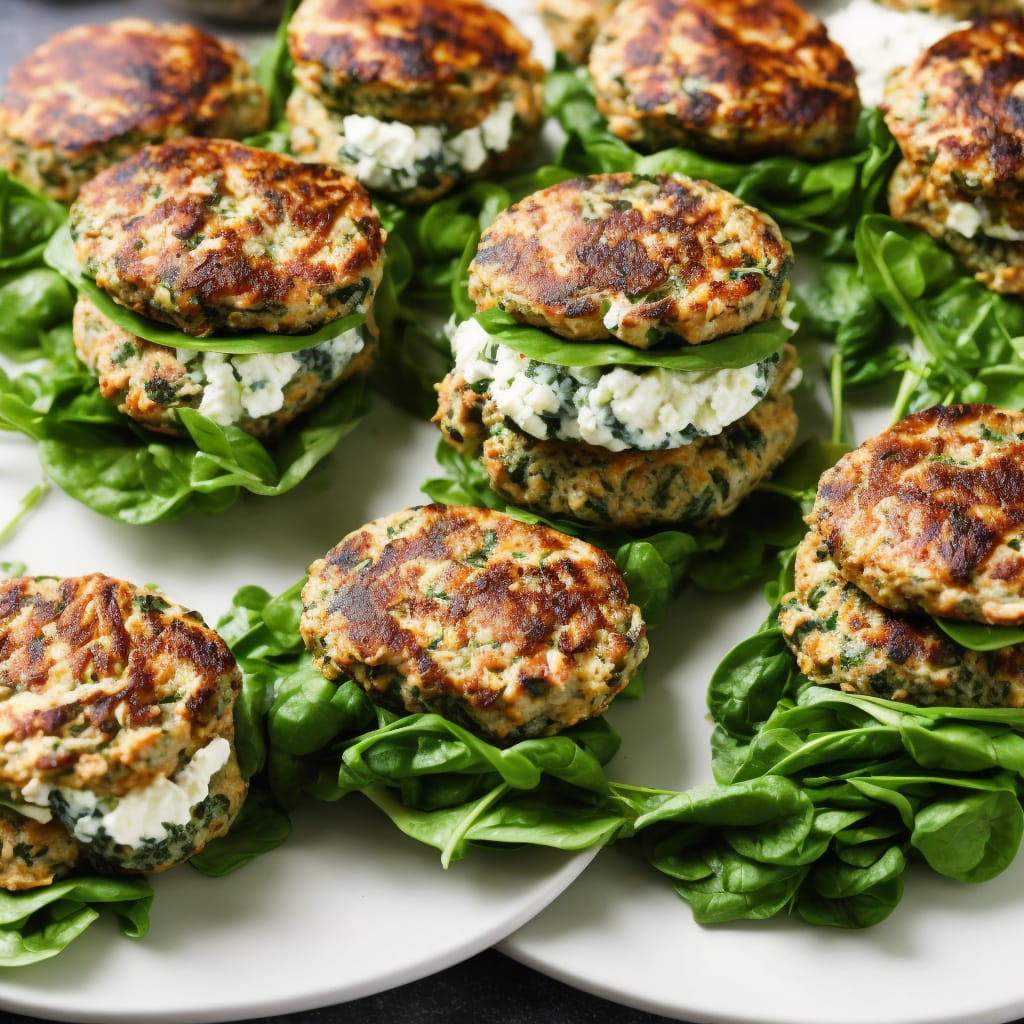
210,235
929,514
109,694
93,94
415,61
33,853
840,637
700,482
737,77
958,115
511,629
641,259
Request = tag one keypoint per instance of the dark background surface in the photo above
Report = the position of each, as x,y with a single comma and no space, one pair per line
488,988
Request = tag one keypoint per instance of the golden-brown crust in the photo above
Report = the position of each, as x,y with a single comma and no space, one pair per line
33,853
93,83
740,77
699,483
416,61
104,685
839,636
957,113
512,622
687,258
208,234
929,514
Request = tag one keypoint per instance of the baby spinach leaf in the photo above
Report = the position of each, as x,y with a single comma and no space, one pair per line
979,636
37,924
970,838
752,345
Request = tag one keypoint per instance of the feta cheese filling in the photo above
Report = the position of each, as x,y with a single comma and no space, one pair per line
239,386
145,813
880,39
968,219
614,407
391,154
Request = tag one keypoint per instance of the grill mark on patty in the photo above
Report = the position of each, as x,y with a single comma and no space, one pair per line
167,70
131,664
524,604
434,45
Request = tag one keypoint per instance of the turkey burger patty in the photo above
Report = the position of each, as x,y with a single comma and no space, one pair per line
511,629
840,636
116,721
957,116
738,77
412,97
93,94
660,264
928,515
209,235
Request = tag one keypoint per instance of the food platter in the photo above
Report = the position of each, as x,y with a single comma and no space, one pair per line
348,907
946,955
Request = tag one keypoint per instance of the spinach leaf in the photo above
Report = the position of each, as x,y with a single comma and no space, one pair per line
959,339
888,783
978,636
753,344
37,924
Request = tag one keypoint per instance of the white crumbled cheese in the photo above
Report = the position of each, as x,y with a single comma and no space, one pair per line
34,801
391,154
386,153
964,219
878,39
614,407
239,386
145,813
615,312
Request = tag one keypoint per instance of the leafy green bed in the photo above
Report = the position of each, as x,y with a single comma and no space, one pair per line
821,798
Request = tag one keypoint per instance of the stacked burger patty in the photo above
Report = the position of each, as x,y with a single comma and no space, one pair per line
651,265
116,730
957,116
94,94
215,237
924,519
412,98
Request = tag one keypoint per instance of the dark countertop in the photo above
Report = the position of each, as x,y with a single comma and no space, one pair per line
489,988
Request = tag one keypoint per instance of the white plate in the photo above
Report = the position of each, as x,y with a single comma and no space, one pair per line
949,953
348,906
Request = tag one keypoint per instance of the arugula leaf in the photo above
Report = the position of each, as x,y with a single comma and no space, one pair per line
59,255
752,345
